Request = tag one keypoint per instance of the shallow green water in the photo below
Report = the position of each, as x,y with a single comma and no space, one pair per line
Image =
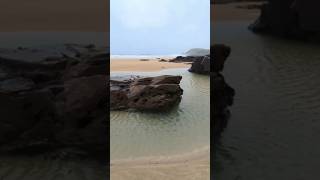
180,130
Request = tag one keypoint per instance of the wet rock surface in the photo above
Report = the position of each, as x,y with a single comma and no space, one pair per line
145,93
52,98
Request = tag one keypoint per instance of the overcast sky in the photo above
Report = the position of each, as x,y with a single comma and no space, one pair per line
159,26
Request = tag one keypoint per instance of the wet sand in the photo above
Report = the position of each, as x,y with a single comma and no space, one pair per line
146,66
191,166
232,12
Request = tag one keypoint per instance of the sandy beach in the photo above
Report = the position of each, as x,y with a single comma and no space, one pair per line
132,64
233,12
190,166
58,15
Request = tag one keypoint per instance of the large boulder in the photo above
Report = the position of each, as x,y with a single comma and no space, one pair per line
201,66
54,98
149,93
289,18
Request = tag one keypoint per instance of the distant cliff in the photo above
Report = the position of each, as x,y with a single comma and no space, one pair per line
197,52
289,18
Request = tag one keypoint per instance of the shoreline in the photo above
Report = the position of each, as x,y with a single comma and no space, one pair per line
195,155
184,166
150,65
192,165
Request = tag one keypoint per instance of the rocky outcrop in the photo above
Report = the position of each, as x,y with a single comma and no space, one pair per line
53,98
185,59
148,93
201,65
222,93
289,18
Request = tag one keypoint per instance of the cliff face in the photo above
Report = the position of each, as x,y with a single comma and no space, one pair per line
289,18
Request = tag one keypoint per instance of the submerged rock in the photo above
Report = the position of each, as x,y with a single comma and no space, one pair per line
149,93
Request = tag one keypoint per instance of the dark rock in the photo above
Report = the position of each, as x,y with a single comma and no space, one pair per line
184,59
56,99
201,66
151,93
27,118
222,98
222,93
289,18
163,60
219,53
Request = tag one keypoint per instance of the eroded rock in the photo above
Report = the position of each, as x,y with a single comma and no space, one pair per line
150,93
54,98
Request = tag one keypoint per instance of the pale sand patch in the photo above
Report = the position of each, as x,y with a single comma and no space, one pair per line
230,12
147,66
190,166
